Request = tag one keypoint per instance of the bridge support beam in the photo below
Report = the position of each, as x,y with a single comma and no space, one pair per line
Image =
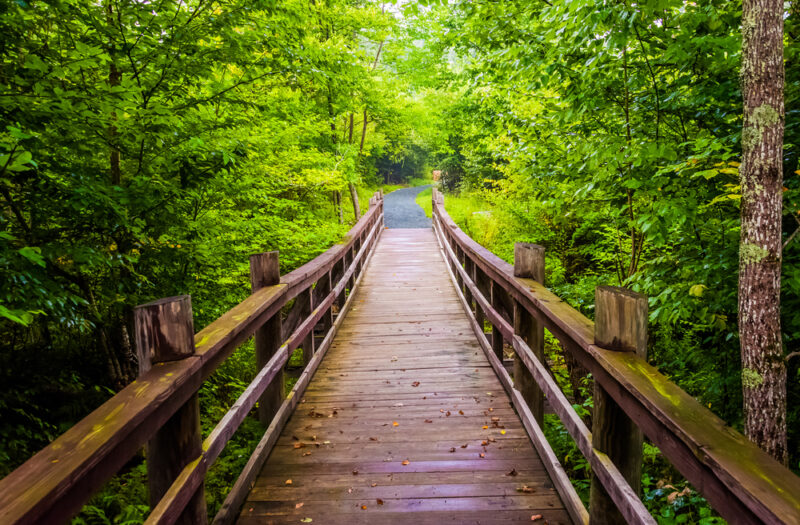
621,326
265,271
529,264
164,331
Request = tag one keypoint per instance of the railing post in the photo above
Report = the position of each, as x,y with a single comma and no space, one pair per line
164,331
497,337
307,298
621,326
265,271
529,264
480,283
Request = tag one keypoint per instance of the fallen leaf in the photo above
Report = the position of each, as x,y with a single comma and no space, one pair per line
288,482
495,419
299,445
526,489
380,501
464,445
484,443
306,520
306,454
415,383
355,472
299,505
485,427
503,432
374,485
447,413
461,412
350,490
512,473
405,462
373,439
363,507
428,421
536,517
491,409
452,449
482,455
395,424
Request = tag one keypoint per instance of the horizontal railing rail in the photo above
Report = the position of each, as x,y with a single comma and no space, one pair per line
743,483
160,407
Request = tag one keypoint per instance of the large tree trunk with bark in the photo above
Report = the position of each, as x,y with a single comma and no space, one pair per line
761,176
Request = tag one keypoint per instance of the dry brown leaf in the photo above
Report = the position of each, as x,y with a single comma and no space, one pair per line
374,485
373,439
495,419
485,427
464,445
452,449
306,454
363,507
380,501
482,455
512,473
429,421
288,482
299,505
405,462
536,517
461,412
299,445
447,413
355,472
526,489
415,383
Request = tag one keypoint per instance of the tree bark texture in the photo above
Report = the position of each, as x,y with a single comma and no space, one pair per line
761,178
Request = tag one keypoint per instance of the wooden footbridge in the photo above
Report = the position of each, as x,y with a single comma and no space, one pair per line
405,411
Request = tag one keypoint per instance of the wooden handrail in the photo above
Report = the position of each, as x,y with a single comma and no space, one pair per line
743,483
55,483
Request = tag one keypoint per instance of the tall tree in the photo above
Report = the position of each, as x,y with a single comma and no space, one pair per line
761,177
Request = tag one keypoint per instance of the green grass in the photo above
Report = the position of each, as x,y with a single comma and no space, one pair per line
424,201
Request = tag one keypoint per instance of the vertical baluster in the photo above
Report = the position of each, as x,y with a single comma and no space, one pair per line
306,298
621,326
164,331
529,264
265,271
495,292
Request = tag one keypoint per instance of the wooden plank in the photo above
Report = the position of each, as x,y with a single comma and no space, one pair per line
705,450
569,496
240,489
411,372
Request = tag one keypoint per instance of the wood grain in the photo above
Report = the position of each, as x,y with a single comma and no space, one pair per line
430,378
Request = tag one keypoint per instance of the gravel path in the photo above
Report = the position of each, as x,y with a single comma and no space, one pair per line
400,210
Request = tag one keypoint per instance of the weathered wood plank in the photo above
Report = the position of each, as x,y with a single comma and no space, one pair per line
698,443
427,368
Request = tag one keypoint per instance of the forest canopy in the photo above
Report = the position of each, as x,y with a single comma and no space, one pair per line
148,147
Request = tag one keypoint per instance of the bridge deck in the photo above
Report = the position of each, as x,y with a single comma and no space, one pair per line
405,419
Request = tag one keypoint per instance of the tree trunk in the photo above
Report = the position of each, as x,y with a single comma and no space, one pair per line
761,177
114,78
337,200
354,196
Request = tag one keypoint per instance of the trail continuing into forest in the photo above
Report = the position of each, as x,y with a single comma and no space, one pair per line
402,211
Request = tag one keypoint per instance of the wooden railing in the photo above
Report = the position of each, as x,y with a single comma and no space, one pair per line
631,398
161,407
